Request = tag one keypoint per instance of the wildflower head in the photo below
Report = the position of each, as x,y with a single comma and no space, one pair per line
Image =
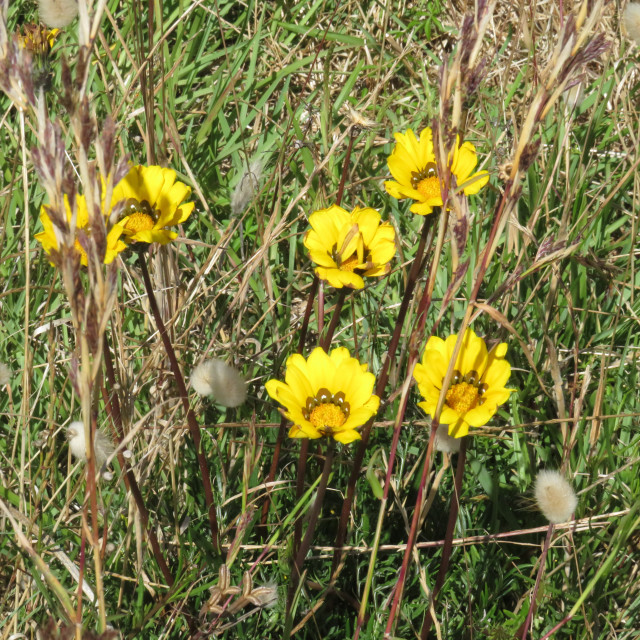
347,246
326,395
152,200
49,237
477,387
413,165
38,39
554,496
223,382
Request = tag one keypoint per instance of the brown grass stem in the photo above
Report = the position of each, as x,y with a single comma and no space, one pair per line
522,632
112,404
283,422
300,474
448,539
301,553
194,427
325,341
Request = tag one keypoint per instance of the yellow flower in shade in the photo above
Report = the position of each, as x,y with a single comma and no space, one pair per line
476,388
347,246
326,395
49,241
413,165
38,39
153,200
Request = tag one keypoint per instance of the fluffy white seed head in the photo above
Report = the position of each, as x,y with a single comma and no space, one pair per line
223,382
265,596
247,187
631,21
5,374
554,496
444,442
103,447
58,13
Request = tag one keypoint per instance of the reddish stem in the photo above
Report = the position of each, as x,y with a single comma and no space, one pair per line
383,377
194,427
113,408
448,538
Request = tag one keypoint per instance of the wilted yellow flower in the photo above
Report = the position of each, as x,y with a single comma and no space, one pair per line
326,395
37,38
477,386
413,165
153,201
49,240
347,246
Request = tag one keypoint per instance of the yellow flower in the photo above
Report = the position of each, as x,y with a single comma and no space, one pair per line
326,395
38,39
477,386
413,165
153,201
49,241
347,246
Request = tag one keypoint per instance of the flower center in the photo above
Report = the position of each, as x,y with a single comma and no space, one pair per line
140,216
349,264
326,412
465,393
426,182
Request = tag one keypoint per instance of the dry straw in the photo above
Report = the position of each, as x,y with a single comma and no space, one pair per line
554,496
223,382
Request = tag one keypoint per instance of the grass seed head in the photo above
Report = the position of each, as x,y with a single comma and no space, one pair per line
554,496
223,382
444,442
58,13
103,447
631,21
247,187
5,374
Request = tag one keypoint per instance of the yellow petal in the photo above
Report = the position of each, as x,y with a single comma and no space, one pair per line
345,437
475,183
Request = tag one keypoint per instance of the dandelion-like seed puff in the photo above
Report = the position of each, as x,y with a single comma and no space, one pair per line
326,395
477,387
412,164
347,246
153,200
